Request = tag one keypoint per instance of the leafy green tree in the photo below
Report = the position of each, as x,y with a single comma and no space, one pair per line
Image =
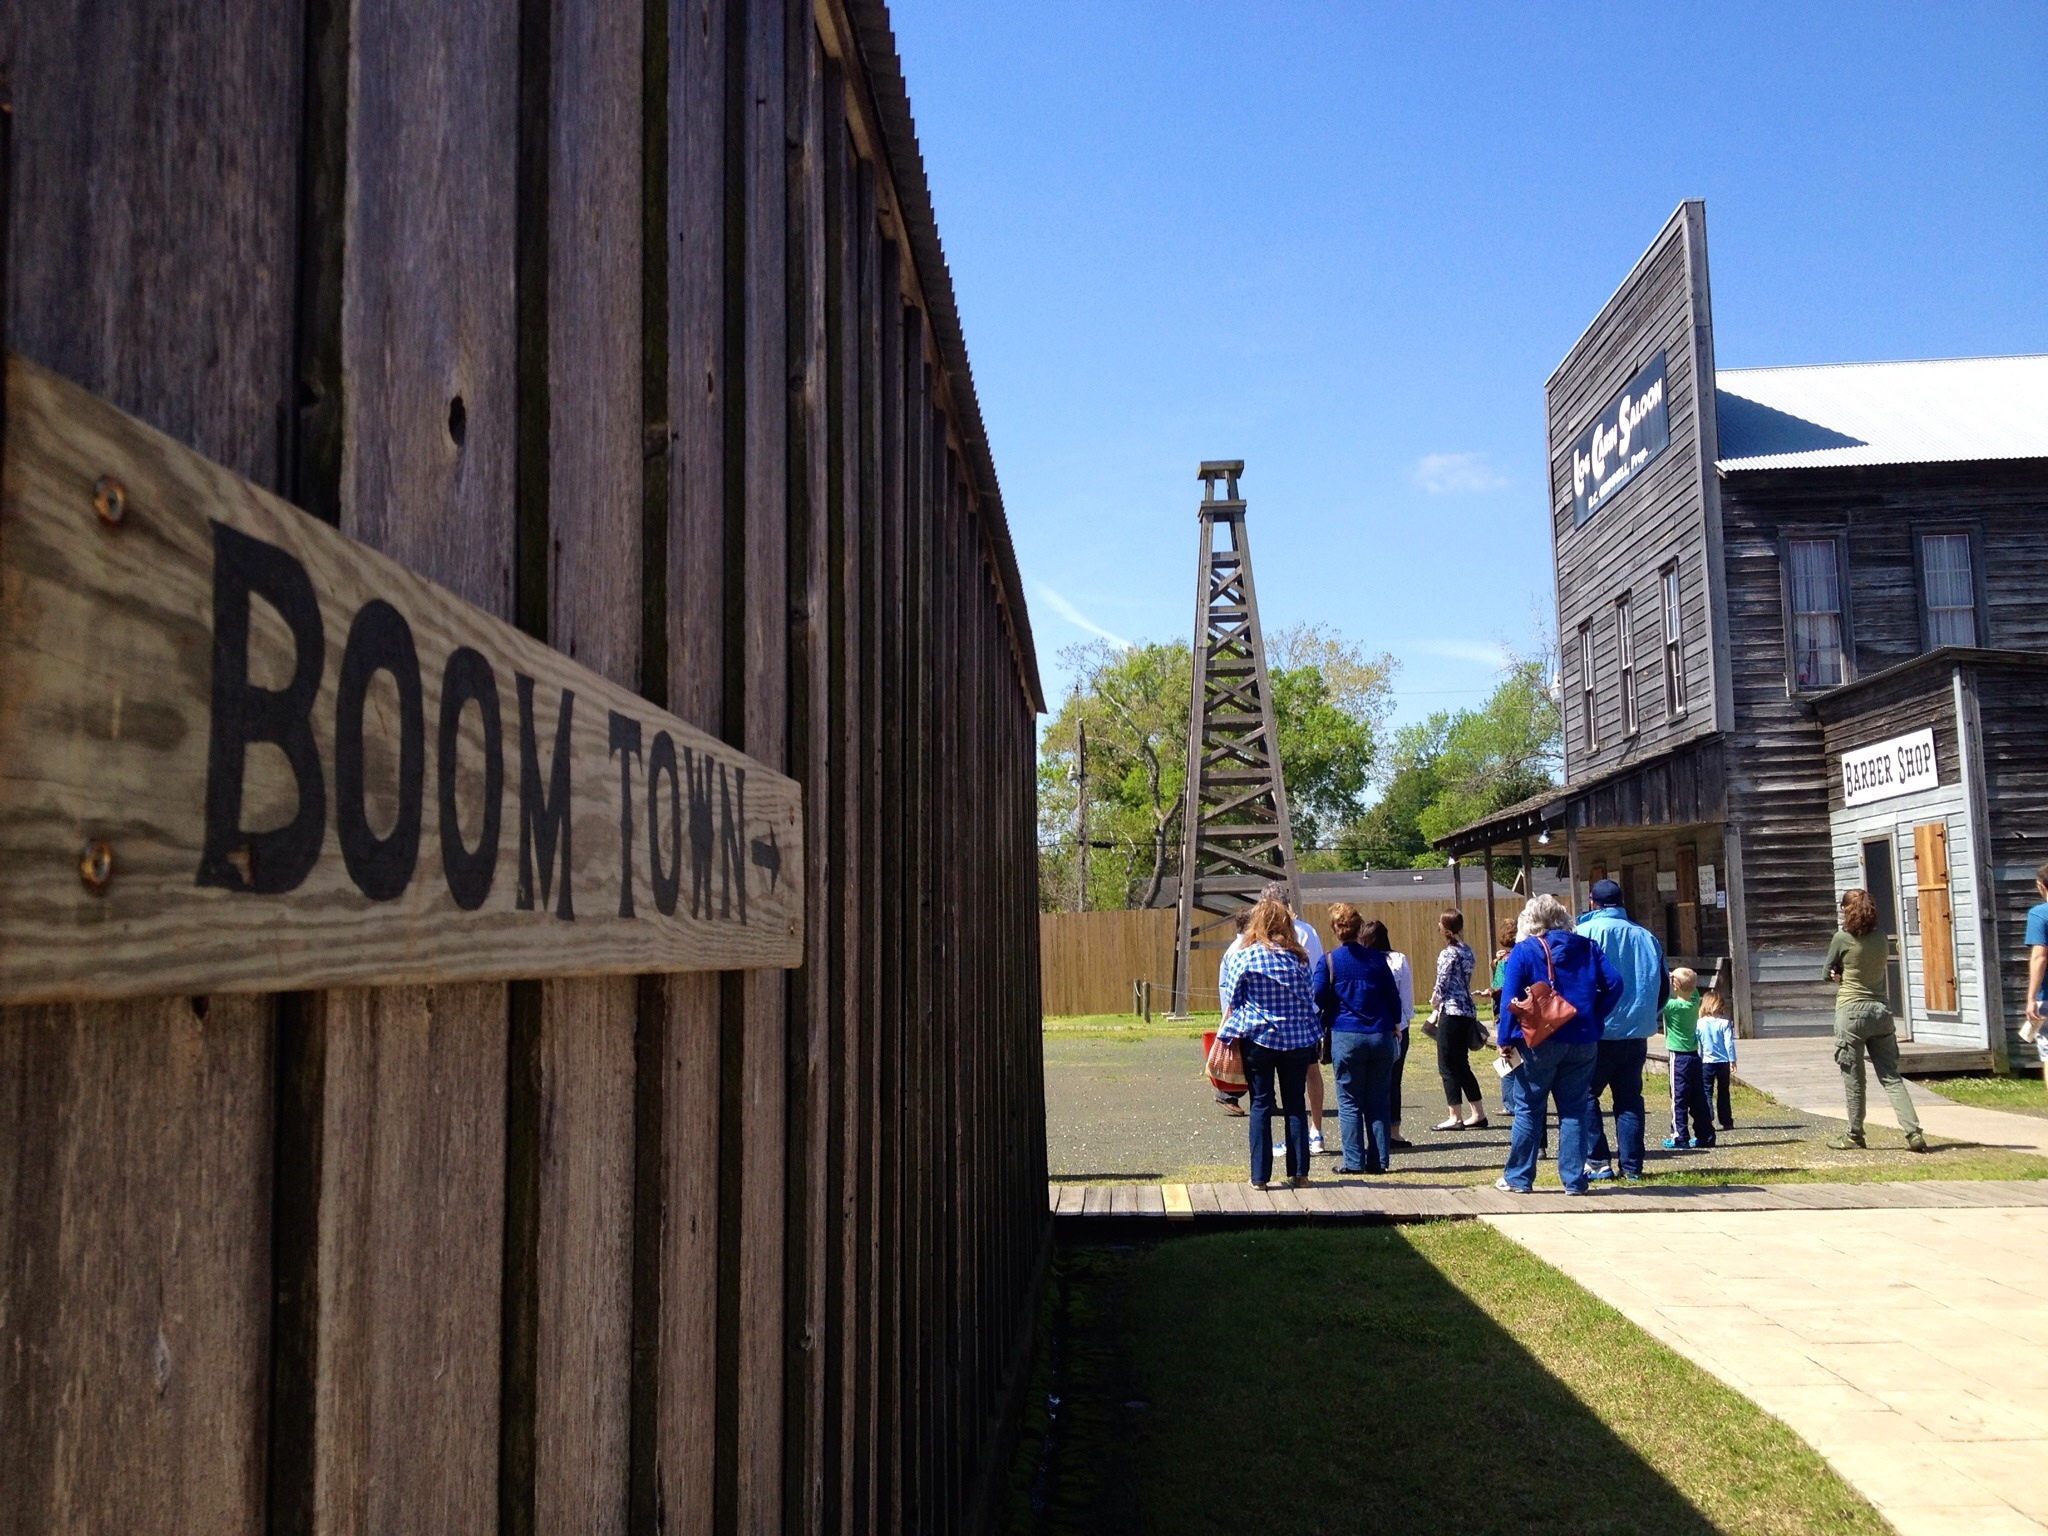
1330,701
1454,768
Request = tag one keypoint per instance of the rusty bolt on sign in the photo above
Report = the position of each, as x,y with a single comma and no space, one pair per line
110,500
96,866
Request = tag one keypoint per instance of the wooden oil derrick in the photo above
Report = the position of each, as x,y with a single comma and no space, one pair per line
1235,831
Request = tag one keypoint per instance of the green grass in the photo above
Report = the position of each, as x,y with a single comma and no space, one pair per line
1418,1378
2020,1094
1128,1026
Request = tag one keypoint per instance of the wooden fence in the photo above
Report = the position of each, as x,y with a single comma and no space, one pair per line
1088,960
628,323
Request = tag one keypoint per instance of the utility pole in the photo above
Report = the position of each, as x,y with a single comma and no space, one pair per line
1235,832
1081,813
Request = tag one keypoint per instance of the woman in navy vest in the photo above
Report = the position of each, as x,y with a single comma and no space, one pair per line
1360,1004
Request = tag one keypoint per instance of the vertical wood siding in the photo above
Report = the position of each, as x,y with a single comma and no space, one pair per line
629,324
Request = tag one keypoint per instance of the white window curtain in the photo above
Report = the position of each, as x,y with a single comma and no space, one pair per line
1951,591
1816,613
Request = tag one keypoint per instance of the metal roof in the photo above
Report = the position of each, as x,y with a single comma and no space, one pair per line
1943,410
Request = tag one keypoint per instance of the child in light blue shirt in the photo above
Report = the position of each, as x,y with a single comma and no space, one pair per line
1717,1054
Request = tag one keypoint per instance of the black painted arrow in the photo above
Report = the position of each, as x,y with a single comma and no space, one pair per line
768,854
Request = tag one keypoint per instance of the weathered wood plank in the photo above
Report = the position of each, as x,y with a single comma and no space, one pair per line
760,715
412,1214
132,1374
135,1158
105,671
590,567
811,1244
699,386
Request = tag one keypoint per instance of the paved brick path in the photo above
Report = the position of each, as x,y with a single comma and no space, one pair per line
1903,1345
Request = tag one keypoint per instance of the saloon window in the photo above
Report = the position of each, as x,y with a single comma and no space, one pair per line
1625,638
1674,627
1592,735
1949,588
1815,582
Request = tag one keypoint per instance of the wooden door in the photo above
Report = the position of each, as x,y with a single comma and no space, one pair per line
1688,899
1937,917
1639,891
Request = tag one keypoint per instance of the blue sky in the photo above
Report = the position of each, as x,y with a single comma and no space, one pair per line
1347,243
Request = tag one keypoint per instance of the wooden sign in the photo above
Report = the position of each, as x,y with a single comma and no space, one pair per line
241,752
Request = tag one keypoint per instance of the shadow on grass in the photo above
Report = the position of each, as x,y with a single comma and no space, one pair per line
1286,1382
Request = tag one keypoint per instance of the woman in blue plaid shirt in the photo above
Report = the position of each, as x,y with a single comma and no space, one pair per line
1269,1011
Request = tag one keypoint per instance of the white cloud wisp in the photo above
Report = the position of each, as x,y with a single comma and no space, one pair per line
1457,474
1076,617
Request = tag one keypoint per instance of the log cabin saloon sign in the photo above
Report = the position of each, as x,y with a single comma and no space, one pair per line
1623,441
240,751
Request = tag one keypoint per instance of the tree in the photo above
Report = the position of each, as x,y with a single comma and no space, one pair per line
1135,704
1454,768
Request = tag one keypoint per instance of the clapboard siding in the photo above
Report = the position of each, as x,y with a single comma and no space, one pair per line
1891,821
629,325
2014,735
1651,523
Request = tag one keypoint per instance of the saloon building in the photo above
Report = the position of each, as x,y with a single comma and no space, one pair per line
1803,625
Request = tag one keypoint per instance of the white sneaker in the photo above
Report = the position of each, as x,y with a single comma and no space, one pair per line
1315,1143
1506,1188
1279,1149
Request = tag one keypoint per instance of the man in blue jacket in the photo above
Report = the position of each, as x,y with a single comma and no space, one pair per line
1625,1039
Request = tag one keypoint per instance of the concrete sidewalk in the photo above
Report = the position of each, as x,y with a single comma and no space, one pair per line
1800,1071
1901,1344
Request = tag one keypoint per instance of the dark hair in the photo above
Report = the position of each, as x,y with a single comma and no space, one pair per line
1240,917
2041,875
1859,912
1452,923
1375,935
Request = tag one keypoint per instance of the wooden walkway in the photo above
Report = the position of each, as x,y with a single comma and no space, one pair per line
1087,1205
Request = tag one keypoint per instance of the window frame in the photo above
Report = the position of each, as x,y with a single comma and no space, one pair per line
1671,615
1589,690
1974,532
1836,536
1625,650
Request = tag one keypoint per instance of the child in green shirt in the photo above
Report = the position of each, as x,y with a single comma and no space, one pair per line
1688,1077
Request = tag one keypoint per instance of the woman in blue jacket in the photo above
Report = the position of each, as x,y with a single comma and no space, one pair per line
1360,1004
1562,1066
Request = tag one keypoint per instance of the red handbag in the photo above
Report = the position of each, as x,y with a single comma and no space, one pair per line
1224,1062
1542,1011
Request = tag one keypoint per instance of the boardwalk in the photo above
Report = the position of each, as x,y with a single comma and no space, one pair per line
1080,1206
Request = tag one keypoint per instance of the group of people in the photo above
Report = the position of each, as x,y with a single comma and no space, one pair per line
1290,1005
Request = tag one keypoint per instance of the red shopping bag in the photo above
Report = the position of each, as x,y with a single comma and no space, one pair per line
1224,1063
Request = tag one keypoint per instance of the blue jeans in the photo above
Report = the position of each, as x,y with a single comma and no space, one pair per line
1563,1072
1261,1068
1363,1063
1689,1098
1619,1067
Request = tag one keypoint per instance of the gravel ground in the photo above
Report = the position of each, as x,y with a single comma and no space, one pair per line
1138,1106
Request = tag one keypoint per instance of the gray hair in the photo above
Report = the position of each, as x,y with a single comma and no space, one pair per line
1276,890
1542,914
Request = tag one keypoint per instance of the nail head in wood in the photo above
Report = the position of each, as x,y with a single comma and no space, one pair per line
96,866
110,500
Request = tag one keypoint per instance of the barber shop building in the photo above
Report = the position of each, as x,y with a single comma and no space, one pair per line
1803,634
